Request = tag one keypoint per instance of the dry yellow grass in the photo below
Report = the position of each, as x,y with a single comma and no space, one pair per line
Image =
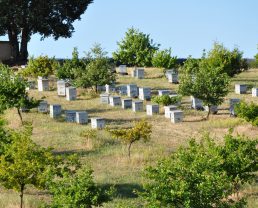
109,158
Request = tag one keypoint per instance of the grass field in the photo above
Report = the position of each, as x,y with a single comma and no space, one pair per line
108,157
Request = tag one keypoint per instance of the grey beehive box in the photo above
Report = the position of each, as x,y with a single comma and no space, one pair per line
164,92
137,105
132,90
196,103
176,116
43,107
144,93
55,110
152,109
122,69
70,116
240,88
43,84
114,100
97,123
71,93
173,78
82,117
126,103
122,90
213,109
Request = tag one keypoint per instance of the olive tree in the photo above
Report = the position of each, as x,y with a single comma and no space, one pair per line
136,49
201,80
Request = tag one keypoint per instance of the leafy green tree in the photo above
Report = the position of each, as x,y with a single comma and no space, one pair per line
201,80
78,190
166,99
41,66
21,19
202,175
231,61
140,131
71,68
249,112
163,59
13,92
136,49
24,163
98,70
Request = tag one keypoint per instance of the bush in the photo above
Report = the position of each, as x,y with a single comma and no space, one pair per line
41,66
163,59
203,175
166,100
249,112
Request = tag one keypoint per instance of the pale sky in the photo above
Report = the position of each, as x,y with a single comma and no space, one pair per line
187,26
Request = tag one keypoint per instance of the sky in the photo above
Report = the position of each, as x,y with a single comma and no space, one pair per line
187,26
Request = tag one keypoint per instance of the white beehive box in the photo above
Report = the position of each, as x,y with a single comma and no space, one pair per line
176,116
43,107
196,103
213,109
122,69
132,90
152,109
82,117
144,93
173,78
71,93
126,103
97,123
104,98
114,100
61,88
168,110
254,92
137,105
70,116
240,88
43,84
170,71
232,103
122,90
55,110
164,92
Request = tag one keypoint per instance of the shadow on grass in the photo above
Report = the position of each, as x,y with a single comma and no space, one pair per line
125,190
120,121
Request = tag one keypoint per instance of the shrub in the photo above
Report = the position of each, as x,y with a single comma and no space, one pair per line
163,59
41,66
249,112
166,100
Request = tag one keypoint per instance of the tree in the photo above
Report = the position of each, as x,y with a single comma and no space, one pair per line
78,190
24,163
41,66
163,59
140,130
249,112
13,92
71,68
21,19
231,61
202,175
166,99
201,80
136,49
98,69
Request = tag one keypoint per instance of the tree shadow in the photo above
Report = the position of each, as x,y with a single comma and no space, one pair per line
125,190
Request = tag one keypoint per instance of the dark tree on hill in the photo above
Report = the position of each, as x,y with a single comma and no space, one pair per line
21,19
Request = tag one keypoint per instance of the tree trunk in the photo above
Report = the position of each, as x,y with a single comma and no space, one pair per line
21,195
96,88
24,45
129,149
19,113
13,38
209,111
